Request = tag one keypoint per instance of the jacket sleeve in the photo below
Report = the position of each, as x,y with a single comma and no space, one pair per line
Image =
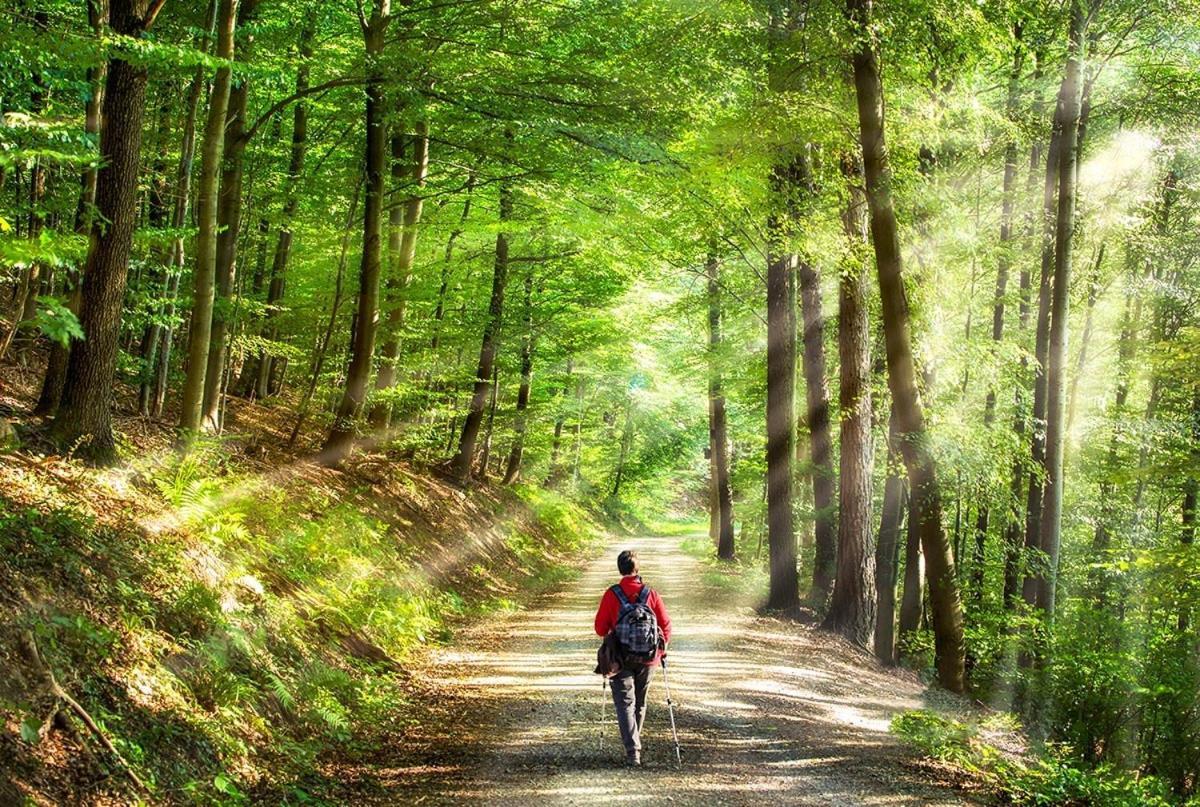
660,612
606,614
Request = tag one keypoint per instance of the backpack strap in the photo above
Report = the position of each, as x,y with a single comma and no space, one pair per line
621,598
644,595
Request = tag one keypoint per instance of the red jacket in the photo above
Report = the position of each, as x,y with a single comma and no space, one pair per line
610,609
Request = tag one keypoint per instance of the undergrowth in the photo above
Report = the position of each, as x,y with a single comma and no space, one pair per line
1039,779
247,625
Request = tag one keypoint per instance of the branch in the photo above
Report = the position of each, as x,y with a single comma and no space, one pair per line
152,14
296,96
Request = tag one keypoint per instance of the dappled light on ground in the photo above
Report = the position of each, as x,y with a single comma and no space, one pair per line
769,712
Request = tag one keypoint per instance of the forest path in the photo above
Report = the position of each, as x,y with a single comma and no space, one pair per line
769,712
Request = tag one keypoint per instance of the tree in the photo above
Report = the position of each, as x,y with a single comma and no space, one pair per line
84,420
191,419
926,503
341,434
852,608
718,425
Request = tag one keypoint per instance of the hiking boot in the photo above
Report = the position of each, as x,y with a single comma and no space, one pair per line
633,759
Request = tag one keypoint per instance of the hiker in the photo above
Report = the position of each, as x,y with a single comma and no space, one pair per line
635,625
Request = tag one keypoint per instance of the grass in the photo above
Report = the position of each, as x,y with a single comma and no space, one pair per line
229,629
1040,779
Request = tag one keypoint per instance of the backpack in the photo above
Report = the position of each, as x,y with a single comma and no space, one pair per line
637,630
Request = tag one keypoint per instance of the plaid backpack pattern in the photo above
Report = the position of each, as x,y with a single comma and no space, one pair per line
637,628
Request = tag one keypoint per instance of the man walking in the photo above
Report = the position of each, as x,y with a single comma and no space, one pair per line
634,614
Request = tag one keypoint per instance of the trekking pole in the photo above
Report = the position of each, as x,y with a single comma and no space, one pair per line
671,710
600,733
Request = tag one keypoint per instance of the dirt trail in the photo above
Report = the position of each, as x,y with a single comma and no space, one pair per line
769,712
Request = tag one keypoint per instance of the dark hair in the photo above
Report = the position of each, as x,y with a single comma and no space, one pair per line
627,562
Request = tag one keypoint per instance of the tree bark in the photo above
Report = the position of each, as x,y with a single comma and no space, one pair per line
560,419
819,431
886,550
83,422
56,363
515,454
460,465
718,430
229,225
1051,516
1003,266
402,247
342,433
926,495
852,607
268,369
204,274
784,592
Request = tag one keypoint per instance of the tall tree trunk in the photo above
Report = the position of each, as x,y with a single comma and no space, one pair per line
1003,265
626,445
268,365
852,607
886,550
342,433
1033,504
555,474
718,429
229,225
402,244
926,496
784,591
460,465
820,437
83,422
485,453
913,595
515,454
1051,517
56,363
204,274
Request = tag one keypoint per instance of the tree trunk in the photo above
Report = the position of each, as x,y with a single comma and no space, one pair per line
820,436
485,453
852,607
229,225
926,496
555,474
1051,515
513,470
341,434
1003,265
402,246
623,456
784,592
204,274
886,550
268,366
56,363
83,422
718,429
460,466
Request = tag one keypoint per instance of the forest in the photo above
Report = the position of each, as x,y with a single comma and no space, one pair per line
329,327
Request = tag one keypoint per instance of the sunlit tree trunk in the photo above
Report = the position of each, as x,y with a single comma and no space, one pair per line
1051,517
342,433
402,246
1003,265
944,600
83,422
718,426
560,419
852,607
820,437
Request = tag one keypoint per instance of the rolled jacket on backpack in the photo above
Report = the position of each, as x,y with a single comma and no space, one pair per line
608,657
610,610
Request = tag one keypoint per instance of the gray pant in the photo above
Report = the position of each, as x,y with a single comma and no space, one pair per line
629,697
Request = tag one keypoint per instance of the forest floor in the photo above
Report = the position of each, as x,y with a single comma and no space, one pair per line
768,711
